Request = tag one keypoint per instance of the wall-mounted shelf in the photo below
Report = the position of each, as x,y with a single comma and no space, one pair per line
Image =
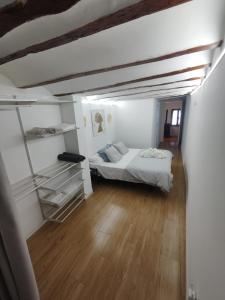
17,101
42,102
43,133
60,198
30,184
58,187
28,102
61,214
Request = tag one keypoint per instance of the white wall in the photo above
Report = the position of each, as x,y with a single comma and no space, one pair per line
203,149
137,123
168,105
95,143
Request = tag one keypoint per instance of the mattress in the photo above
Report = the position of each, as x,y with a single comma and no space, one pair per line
133,168
118,170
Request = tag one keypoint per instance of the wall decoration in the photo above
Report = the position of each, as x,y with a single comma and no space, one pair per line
109,118
98,121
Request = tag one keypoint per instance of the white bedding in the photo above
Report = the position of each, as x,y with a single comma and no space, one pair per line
134,168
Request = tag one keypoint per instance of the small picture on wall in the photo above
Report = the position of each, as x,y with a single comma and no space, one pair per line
98,121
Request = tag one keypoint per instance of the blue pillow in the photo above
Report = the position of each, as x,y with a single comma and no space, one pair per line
102,153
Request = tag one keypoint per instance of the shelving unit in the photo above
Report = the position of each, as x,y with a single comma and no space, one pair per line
60,186
57,200
30,184
56,197
44,189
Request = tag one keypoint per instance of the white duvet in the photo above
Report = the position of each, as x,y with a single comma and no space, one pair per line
134,168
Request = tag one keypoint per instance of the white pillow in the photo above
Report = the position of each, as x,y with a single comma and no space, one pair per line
121,148
113,154
95,159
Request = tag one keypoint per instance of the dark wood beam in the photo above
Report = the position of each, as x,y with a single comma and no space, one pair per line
13,4
128,65
22,11
150,86
171,96
158,76
149,92
159,94
132,12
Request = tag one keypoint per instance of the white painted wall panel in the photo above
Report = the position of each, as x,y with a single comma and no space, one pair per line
44,151
135,121
95,143
203,149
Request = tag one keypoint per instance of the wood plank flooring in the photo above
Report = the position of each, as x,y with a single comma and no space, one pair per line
126,242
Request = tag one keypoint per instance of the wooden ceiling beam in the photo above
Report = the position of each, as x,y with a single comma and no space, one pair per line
158,76
158,95
132,12
151,95
150,86
128,65
149,92
22,11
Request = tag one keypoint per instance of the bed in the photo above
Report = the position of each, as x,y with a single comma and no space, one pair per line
134,168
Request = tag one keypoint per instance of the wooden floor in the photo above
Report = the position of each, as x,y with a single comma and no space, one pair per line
126,242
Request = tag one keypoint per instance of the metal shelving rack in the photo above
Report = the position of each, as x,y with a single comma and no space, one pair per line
69,196
38,182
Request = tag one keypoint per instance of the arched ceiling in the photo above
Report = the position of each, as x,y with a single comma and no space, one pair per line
148,54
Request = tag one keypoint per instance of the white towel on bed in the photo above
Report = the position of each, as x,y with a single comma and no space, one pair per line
153,153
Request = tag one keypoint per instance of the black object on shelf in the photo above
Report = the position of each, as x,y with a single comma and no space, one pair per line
71,157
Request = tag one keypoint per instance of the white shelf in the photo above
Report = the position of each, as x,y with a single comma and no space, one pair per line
30,184
62,131
55,102
59,215
22,102
17,101
60,186
60,198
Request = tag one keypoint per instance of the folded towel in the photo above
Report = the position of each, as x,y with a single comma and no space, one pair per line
71,157
41,132
153,153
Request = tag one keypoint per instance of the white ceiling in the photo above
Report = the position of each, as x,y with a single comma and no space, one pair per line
52,26
189,25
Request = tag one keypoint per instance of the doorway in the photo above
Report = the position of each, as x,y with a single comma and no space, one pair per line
171,112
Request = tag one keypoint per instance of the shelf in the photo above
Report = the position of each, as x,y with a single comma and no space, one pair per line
17,101
57,102
62,128
61,196
22,102
60,186
61,214
30,184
